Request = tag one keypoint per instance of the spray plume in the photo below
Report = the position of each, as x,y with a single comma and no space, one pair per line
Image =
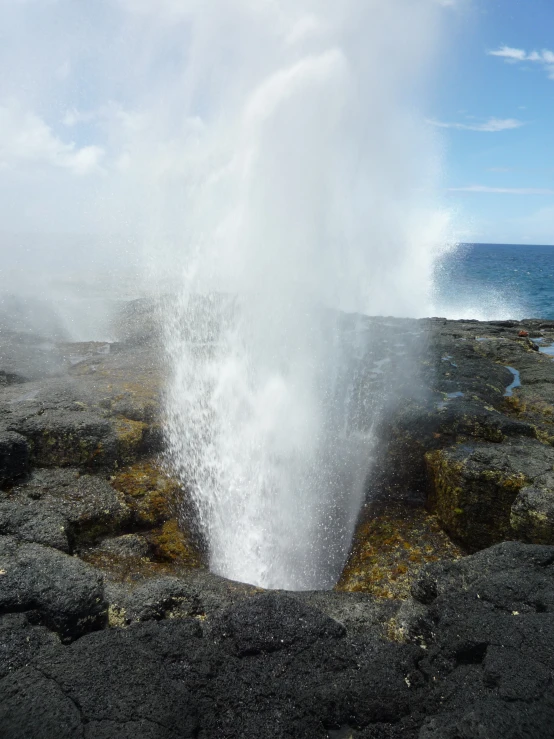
272,162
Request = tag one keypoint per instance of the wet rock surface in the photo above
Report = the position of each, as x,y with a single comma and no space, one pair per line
110,626
476,486
460,440
392,543
102,413
503,433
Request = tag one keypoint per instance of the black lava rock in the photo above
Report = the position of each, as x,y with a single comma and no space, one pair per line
14,456
58,591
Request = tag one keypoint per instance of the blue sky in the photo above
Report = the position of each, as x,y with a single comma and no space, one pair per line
495,98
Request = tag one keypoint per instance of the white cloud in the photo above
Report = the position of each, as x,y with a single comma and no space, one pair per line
493,125
26,139
507,52
504,190
544,58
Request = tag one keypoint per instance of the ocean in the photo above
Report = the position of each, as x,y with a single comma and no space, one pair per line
496,281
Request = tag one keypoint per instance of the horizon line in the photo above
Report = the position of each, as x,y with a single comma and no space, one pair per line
498,243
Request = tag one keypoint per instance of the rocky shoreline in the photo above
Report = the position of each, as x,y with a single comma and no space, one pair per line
441,626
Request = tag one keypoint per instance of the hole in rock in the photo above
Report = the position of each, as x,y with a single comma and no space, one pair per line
473,654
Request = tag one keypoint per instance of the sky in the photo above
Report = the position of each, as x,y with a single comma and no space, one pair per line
494,105
70,129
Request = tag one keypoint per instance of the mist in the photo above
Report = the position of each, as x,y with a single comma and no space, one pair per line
109,112
307,187
271,157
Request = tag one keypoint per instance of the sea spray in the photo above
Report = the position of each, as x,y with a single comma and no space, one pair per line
305,182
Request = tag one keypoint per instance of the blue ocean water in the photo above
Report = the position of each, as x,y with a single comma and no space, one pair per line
496,281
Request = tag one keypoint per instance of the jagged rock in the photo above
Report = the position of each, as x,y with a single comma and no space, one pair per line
459,379
27,354
475,485
128,545
79,420
14,456
471,654
35,706
196,593
138,322
357,612
490,652
32,522
141,729
64,593
173,543
272,623
149,492
64,438
131,440
64,508
495,719
532,514
391,545
202,594
129,676
141,322
528,566
155,599
20,642
121,681
271,664
123,384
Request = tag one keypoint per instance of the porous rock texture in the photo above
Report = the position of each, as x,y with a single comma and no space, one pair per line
456,438
59,591
110,625
470,654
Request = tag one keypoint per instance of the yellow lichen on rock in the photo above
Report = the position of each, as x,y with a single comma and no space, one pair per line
148,491
171,544
391,545
472,500
116,617
130,437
